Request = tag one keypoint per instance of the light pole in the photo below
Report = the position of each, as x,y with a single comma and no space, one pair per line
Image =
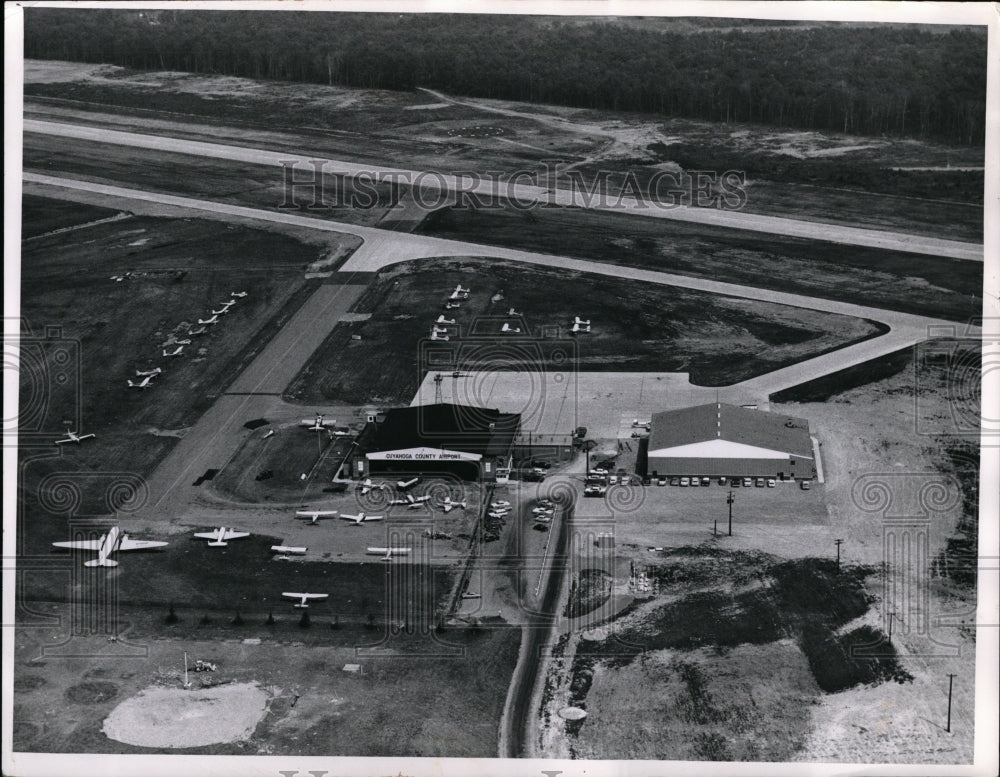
951,680
729,500
839,543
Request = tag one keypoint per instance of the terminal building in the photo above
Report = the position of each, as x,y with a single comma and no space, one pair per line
726,440
471,443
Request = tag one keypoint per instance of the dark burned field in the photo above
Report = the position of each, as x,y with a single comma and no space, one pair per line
733,659
635,327
894,280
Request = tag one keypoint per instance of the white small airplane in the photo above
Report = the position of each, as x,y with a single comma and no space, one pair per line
112,542
449,505
436,336
361,518
288,550
304,598
411,502
404,484
580,321
213,320
220,537
239,294
577,328
640,424
150,373
175,352
74,437
318,425
442,320
197,331
460,290
270,433
222,312
227,304
144,384
513,312
389,552
451,305
508,329
439,330
470,595
340,432
314,516
369,486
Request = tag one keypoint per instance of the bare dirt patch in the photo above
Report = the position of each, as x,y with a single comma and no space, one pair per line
175,717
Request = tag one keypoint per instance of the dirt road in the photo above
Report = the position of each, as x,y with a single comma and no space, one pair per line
524,193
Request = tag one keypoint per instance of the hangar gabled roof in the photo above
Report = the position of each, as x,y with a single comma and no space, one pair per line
483,431
719,421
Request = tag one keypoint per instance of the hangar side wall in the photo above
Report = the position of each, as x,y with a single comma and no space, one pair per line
784,468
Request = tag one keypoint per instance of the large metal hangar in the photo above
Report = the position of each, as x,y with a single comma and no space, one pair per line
471,443
726,440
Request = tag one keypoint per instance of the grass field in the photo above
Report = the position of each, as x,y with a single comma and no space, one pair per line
446,704
635,327
924,285
42,215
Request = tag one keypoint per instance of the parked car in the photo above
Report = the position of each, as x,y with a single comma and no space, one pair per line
595,490
695,482
735,483
580,433
612,479
706,481
685,482
747,482
532,477
770,482
805,485
540,464
759,482
675,481
662,481
646,480
722,481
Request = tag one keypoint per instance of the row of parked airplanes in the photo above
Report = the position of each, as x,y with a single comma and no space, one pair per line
148,375
116,541
439,329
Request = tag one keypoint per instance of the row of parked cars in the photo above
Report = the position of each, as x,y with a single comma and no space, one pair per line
734,482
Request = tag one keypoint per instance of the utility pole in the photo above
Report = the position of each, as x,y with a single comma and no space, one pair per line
729,500
891,616
839,543
951,680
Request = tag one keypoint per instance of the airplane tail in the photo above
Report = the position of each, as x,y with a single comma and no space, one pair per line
101,562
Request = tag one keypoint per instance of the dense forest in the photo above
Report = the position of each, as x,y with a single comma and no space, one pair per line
903,80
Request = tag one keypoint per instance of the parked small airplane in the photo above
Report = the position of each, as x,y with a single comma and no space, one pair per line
470,595
580,321
225,309
270,433
577,328
220,537
404,484
451,305
213,320
315,515
436,336
112,542
144,384
239,294
150,373
288,550
361,518
389,552
304,598
197,331
175,352
319,424
513,312
367,486
412,502
227,304
449,505
439,330
507,328
74,437
460,290
640,424
442,320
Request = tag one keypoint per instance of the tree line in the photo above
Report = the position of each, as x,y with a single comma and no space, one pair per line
904,80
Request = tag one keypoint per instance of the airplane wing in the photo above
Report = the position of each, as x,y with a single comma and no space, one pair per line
130,544
235,535
354,518
315,513
374,518
80,544
207,535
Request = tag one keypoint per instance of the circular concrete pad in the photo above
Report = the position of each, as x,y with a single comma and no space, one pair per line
174,717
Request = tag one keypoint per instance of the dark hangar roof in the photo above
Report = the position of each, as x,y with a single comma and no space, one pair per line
485,431
732,423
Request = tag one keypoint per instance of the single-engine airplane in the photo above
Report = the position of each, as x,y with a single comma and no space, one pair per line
220,537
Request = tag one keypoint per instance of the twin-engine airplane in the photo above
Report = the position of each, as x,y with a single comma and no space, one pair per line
220,537
304,598
314,516
73,437
112,542
449,505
